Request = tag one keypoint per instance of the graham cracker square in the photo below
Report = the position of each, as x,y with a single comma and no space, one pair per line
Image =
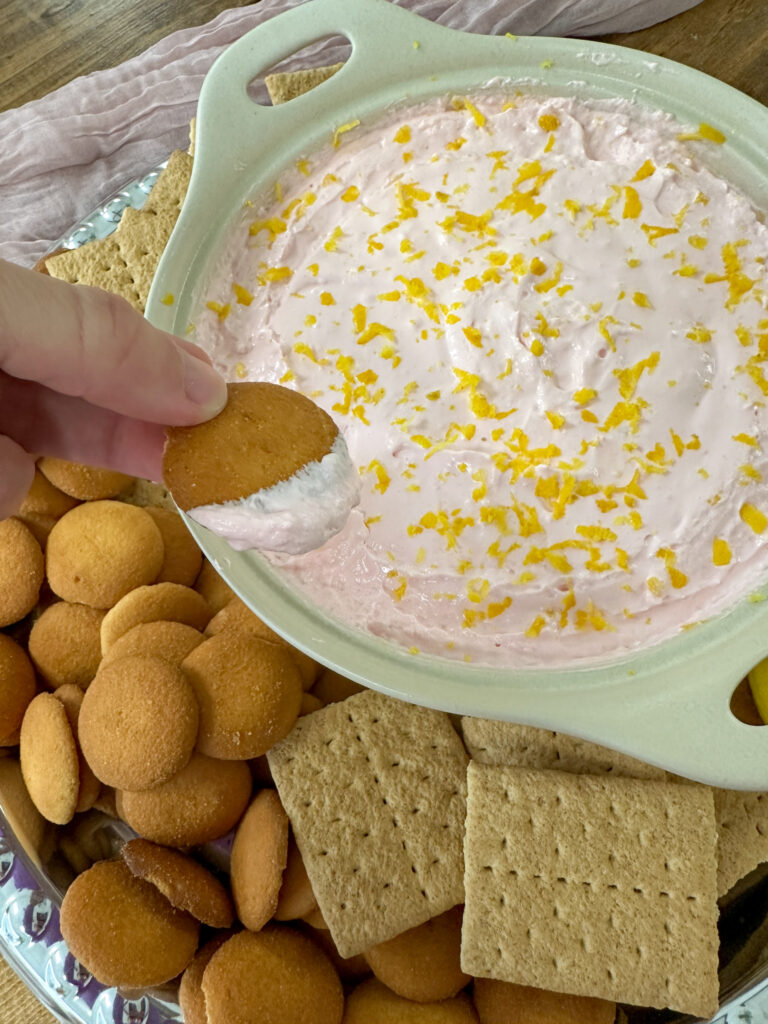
100,264
287,85
125,262
600,886
742,826
492,742
376,793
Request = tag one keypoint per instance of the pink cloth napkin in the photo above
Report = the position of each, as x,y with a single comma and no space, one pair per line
64,154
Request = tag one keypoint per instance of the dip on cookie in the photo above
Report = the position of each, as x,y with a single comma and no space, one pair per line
541,325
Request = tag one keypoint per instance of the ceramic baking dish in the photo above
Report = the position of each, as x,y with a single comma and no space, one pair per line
669,704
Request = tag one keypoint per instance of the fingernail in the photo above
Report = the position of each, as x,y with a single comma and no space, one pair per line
204,386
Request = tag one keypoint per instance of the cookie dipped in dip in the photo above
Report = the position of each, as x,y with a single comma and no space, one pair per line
271,471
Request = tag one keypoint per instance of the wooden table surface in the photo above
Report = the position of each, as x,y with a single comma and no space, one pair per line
46,43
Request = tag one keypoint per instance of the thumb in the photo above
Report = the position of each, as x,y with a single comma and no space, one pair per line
18,469
86,343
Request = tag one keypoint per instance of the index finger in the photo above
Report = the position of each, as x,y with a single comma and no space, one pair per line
87,343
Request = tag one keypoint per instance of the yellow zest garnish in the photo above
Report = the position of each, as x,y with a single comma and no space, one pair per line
753,517
351,194
584,395
274,274
477,116
326,299
738,282
222,310
654,232
630,376
549,123
705,133
274,226
376,330
536,626
241,371
645,171
700,334
243,296
341,130
168,299
402,135
632,205
332,243
382,477
721,552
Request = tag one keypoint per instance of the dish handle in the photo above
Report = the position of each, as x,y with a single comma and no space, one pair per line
227,112
677,715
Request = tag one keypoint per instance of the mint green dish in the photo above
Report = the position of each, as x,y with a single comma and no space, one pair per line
669,704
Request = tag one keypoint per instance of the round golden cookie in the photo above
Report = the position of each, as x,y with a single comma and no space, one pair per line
65,644
237,615
17,685
123,930
351,969
43,498
213,588
295,898
332,687
373,1003
100,551
71,697
498,1002
263,435
200,803
27,822
22,570
191,996
49,759
86,483
171,641
183,558
39,525
316,920
156,602
423,963
275,976
249,692
309,703
258,859
185,883
138,722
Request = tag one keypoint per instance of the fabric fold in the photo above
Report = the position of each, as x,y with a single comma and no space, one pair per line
66,153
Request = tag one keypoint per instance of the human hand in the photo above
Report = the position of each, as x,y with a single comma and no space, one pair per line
84,377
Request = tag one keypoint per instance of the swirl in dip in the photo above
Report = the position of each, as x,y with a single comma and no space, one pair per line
541,326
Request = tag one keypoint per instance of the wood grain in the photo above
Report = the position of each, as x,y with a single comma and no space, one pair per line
725,38
46,43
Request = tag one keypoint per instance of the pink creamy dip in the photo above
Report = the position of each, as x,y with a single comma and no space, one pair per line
541,326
